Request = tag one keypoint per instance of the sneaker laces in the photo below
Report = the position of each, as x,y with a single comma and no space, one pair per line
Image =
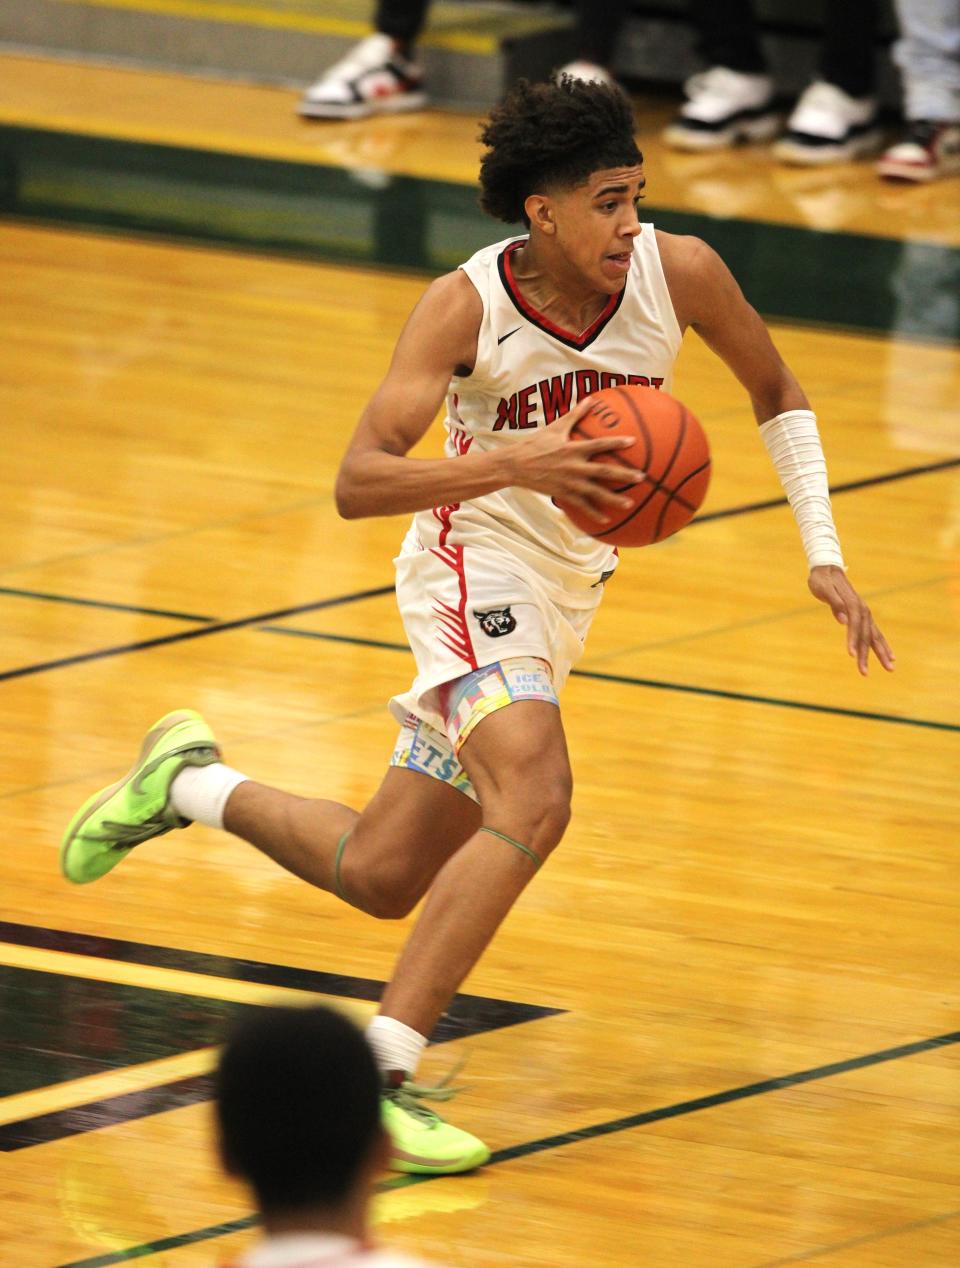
409,1096
203,755
122,836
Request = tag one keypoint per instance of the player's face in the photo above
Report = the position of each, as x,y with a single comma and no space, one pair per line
596,224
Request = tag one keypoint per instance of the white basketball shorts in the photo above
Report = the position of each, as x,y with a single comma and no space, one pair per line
464,607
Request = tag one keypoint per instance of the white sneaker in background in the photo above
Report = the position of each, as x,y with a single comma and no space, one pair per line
373,78
829,126
589,72
928,151
724,106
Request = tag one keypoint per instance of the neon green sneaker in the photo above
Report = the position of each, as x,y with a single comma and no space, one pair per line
422,1142
111,822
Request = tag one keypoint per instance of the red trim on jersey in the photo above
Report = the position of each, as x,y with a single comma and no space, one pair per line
443,516
532,314
454,633
460,439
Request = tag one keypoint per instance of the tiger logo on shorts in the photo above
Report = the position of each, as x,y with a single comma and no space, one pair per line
496,622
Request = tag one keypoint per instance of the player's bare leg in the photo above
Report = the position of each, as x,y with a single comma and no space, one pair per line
411,827
395,848
415,829
387,858
477,887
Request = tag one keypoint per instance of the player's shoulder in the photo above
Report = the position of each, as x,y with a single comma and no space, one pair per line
443,330
685,254
453,290
451,303
490,254
698,280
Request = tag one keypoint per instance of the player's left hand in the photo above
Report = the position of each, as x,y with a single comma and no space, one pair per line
831,586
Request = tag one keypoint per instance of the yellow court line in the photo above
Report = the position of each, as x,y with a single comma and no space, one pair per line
457,42
151,977
97,1087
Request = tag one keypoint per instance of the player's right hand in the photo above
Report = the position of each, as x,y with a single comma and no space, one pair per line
550,461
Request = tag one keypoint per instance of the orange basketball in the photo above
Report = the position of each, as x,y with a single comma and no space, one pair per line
670,447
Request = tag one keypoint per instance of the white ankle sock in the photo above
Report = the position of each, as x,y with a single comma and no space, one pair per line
200,793
395,1046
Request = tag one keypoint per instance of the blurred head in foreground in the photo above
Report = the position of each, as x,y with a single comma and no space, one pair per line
298,1109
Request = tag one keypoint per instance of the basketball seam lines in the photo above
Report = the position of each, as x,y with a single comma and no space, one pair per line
673,457
657,486
674,495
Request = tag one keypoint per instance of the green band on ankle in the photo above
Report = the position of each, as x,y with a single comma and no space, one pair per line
516,845
337,883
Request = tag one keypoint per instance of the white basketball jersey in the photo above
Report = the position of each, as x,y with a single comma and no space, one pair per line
529,372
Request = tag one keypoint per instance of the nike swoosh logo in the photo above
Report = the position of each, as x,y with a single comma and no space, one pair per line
507,335
402,1156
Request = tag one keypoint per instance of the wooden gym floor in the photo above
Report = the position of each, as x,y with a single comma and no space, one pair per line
721,1027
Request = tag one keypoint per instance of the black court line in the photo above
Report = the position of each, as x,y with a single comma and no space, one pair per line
847,486
183,636
465,1016
562,1139
263,619
292,632
219,627
776,701
109,1111
103,604
658,684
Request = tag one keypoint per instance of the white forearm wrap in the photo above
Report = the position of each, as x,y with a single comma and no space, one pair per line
793,443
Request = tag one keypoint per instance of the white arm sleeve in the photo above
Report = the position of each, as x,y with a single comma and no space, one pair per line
793,443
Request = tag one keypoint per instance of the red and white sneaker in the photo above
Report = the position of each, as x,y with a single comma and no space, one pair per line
929,150
373,78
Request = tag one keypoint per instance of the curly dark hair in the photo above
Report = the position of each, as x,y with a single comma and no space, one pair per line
552,135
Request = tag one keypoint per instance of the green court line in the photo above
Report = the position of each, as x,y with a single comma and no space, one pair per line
308,211
882,1235
166,1243
592,1132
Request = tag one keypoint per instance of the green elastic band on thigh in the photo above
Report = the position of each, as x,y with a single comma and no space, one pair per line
337,884
516,845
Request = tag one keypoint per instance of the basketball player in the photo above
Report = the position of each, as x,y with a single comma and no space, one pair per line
495,585
297,1100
